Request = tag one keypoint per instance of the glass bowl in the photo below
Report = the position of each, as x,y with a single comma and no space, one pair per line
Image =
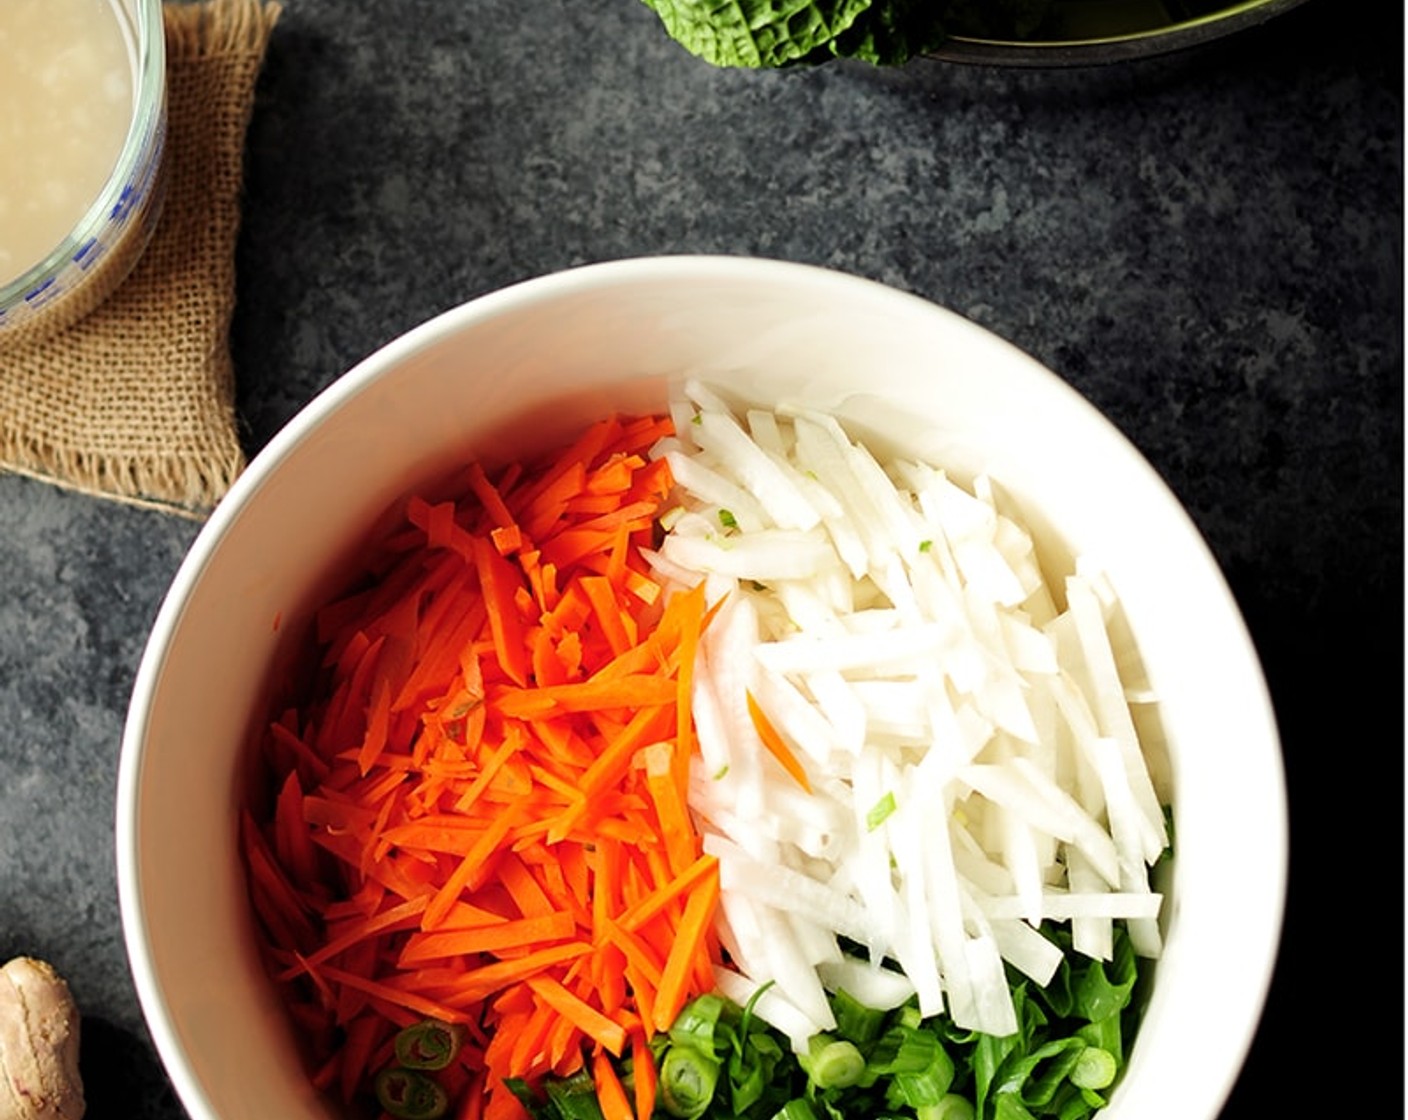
102,248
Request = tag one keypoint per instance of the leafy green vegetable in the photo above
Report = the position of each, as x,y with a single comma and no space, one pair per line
893,31
773,33
718,1062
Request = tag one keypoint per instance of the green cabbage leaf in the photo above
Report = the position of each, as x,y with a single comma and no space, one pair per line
762,34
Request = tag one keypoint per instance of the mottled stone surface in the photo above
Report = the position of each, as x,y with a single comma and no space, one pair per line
1208,246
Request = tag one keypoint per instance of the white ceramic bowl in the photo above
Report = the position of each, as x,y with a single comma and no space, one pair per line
527,367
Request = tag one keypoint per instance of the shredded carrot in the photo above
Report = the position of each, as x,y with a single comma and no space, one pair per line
664,782
362,1037
611,1094
497,581
472,866
291,843
691,940
646,1076
406,912
489,497
478,811
414,1002
635,691
512,934
528,1043
669,893
776,745
580,1013
618,627
472,1102
374,742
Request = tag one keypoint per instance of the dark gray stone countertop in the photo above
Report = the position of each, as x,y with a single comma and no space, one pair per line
1208,246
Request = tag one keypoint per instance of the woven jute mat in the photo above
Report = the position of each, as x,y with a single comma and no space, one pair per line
136,400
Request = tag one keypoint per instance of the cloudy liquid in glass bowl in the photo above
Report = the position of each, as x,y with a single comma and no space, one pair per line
66,76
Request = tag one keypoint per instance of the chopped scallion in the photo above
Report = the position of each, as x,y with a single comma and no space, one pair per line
408,1094
429,1044
880,812
1094,1069
687,1080
796,1109
950,1107
722,1061
856,1022
696,1024
574,1098
833,1063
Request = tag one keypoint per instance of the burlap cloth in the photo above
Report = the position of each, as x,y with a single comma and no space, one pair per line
135,401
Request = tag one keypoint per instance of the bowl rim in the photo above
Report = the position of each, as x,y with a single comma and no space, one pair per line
1102,50
306,421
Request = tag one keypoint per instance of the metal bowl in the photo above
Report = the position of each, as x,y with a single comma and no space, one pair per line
1096,32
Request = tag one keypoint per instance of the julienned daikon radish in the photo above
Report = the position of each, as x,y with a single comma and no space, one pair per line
913,749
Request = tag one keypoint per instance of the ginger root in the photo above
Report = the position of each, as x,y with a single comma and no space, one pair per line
39,1078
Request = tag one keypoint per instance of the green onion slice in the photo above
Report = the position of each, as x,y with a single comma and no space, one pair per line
408,1094
429,1044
